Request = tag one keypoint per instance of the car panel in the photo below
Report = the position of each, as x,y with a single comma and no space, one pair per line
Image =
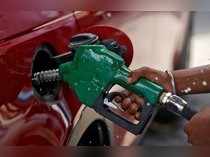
13,23
32,121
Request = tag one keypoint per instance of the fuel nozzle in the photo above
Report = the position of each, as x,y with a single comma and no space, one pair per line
177,105
46,85
46,76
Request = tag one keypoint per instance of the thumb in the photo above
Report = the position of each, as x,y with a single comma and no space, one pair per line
133,76
136,74
130,79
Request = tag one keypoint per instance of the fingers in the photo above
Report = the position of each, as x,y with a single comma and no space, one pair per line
157,76
133,105
118,99
139,100
136,104
138,116
122,95
126,103
134,75
130,103
145,72
198,128
133,108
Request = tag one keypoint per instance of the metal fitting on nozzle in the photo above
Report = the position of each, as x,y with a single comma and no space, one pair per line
172,102
46,76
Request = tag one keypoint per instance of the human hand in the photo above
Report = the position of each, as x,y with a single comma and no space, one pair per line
198,128
160,77
132,103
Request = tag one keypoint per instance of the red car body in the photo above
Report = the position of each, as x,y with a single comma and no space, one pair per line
24,120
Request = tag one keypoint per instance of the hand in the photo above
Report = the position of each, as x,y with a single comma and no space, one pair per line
157,76
132,103
198,128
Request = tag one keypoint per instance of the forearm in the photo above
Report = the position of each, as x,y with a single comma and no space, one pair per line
193,80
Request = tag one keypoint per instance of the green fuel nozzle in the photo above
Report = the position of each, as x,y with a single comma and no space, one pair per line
92,73
94,70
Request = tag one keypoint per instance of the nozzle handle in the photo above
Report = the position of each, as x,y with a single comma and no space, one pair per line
147,115
143,87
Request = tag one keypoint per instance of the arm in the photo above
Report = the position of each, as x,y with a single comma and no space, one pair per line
193,80
187,81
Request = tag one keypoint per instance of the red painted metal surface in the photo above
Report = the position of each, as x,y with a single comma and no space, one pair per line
24,120
107,32
14,23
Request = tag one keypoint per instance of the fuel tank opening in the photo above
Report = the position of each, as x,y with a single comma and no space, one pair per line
42,61
45,72
83,39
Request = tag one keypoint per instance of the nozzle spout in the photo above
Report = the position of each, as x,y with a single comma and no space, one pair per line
46,76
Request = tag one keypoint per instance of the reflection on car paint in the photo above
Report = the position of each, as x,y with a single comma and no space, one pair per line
25,94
